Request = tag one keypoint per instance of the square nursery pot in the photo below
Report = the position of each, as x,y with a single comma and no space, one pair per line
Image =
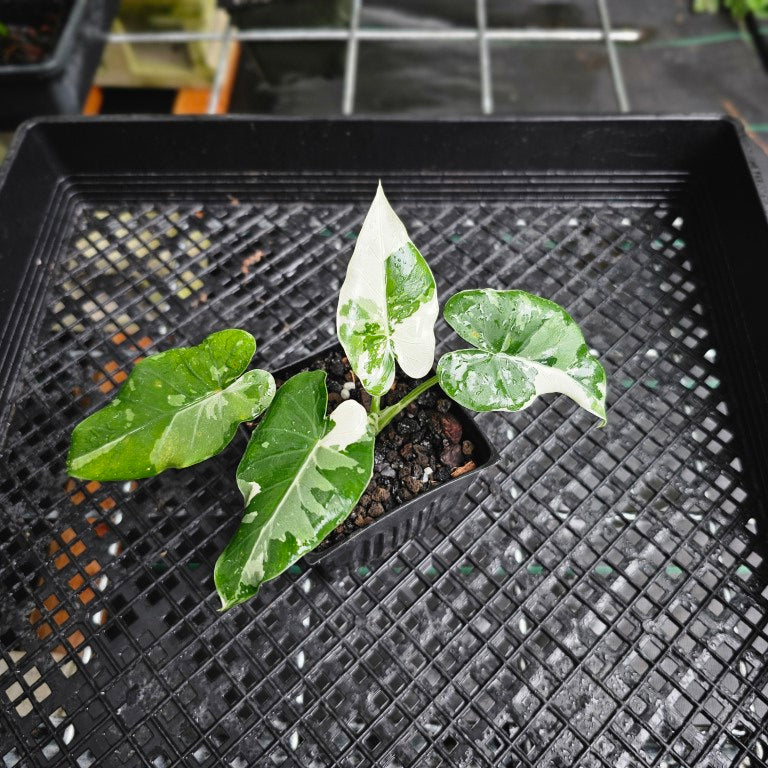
391,530
60,80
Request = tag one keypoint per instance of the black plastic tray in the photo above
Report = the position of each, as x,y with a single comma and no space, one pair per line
367,546
601,600
59,83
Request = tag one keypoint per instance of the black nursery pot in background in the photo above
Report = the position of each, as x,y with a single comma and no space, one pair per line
49,52
388,532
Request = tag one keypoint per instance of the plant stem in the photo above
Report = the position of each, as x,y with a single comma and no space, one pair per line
389,413
375,403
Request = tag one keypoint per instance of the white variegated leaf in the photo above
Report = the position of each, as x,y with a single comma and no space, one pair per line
300,476
387,303
176,409
524,346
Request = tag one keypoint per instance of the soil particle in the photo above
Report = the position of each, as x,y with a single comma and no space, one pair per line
422,456
468,467
376,509
452,456
451,427
381,494
413,484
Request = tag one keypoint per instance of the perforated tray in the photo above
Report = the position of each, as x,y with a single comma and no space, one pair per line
602,603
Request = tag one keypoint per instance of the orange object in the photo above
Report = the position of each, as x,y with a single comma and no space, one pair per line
86,596
191,101
194,101
51,602
93,101
61,616
76,581
77,548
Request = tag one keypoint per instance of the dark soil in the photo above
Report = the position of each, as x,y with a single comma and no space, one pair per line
422,447
28,34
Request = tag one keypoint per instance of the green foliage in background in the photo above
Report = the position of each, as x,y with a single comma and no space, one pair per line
738,8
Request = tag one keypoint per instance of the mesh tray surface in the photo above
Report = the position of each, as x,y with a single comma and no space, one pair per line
599,604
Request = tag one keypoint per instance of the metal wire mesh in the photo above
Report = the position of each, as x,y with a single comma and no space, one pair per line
600,605
483,33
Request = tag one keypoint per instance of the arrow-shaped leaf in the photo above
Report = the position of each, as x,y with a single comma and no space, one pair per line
525,346
301,475
388,302
176,409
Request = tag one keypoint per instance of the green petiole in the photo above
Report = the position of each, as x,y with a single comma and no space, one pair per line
390,412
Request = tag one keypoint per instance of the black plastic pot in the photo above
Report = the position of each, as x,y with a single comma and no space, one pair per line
390,531
60,82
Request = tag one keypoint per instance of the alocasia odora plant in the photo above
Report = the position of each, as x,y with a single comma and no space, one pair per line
303,472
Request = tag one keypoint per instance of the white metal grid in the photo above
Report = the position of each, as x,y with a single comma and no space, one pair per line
354,34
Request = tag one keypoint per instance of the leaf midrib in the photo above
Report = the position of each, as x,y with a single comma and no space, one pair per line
267,524
383,280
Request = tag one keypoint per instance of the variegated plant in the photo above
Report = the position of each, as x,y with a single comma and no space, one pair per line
303,472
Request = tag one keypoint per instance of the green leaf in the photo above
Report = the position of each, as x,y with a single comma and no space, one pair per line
525,346
388,302
176,409
301,475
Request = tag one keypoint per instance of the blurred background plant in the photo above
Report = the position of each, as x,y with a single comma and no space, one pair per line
738,8
164,65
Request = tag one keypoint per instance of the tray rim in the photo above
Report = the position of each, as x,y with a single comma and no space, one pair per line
35,124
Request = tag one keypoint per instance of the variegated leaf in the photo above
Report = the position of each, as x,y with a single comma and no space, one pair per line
176,409
388,302
301,475
525,346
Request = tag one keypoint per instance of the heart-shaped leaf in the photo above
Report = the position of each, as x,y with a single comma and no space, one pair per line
388,302
525,346
176,409
301,475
